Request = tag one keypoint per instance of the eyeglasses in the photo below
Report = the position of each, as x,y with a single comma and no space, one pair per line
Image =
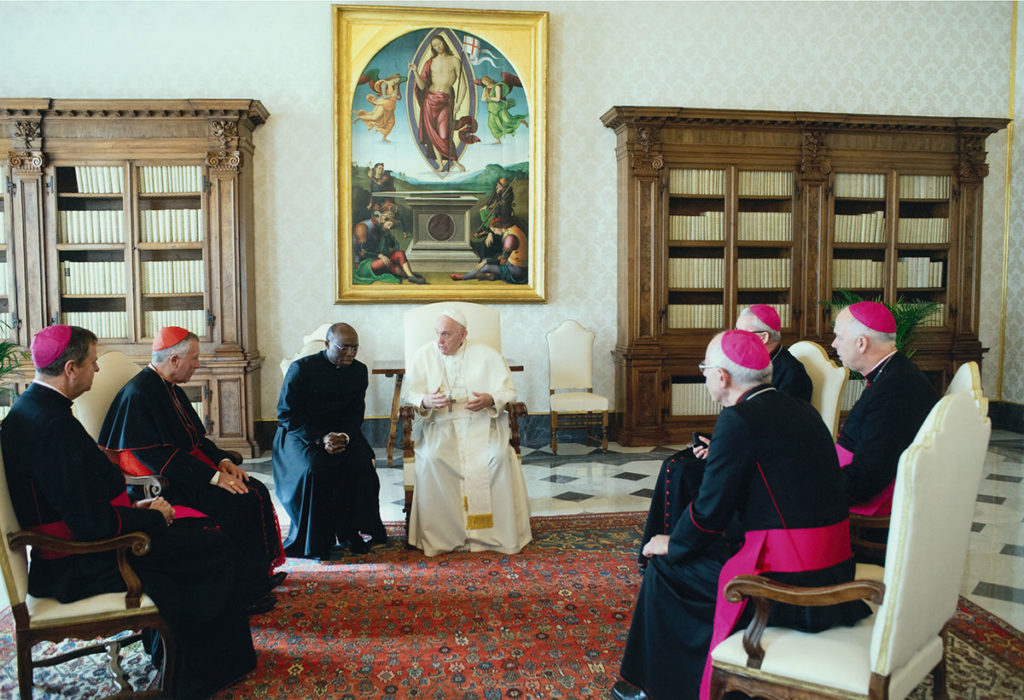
346,348
703,367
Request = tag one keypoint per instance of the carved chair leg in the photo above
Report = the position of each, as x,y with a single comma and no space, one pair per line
554,433
24,669
939,680
114,666
604,431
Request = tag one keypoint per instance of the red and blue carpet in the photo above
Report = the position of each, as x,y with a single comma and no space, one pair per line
549,622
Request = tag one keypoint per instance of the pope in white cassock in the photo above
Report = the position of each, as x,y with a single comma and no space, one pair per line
469,489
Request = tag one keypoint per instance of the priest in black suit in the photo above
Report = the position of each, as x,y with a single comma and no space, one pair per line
152,428
62,484
771,465
887,416
680,475
324,470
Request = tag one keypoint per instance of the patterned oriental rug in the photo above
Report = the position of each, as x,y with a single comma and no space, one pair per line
547,623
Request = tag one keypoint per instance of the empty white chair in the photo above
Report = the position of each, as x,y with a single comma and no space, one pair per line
571,383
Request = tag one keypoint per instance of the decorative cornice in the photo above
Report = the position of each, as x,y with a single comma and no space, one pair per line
224,160
813,163
26,161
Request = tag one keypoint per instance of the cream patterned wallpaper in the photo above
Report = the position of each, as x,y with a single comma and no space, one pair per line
932,58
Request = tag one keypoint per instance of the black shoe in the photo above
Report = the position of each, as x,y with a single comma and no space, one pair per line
417,279
277,579
358,546
627,691
378,541
262,605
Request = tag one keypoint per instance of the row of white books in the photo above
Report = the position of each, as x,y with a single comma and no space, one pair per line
764,273
936,318
172,277
90,226
766,183
3,280
711,315
92,278
923,231
199,409
706,226
918,272
3,229
105,324
924,186
851,392
95,179
171,226
766,226
858,274
170,179
860,228
696,273
693,400
860,185
4,410
701,182
191,319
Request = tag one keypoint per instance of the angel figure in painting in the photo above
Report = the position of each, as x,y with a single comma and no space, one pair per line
441,91
386,92
495,95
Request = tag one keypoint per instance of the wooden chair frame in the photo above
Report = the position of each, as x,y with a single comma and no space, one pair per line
89,627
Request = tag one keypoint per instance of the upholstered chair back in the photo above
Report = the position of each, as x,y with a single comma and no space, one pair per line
14,562
483,325
91,408
827,379
570,357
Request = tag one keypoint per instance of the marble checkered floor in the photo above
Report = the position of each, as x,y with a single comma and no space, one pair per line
581,479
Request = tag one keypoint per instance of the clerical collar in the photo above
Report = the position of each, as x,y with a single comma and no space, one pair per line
757,390
774,353
152,367
876,371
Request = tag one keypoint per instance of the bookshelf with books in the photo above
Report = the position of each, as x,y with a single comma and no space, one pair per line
145,220
720,209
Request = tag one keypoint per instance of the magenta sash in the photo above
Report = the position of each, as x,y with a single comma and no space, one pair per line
880,503
60,529
798,549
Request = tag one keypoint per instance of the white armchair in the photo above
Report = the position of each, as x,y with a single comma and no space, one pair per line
886,655
571,383
827,379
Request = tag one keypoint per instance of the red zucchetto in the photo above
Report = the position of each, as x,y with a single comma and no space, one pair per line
874,315
48,344
168,336
745,349
767,315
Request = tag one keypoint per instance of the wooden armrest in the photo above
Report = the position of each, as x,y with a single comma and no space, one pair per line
151,484
138,542
235,457
515,410
872,522
763,590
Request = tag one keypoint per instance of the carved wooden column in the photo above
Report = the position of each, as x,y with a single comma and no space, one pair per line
972,170
28,294
817,250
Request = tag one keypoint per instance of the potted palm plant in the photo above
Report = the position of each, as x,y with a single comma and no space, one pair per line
11,355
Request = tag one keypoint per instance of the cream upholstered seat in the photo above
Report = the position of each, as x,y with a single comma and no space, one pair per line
484,326
570,370
91,408
827,379
887,654
46,619
311,344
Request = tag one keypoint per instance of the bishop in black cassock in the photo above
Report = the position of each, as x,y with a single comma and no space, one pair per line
153,429
680,475
324,471
772,466
61,483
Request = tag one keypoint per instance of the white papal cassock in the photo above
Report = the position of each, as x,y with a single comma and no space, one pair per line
469,488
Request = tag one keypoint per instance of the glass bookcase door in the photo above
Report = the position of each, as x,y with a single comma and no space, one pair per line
171,249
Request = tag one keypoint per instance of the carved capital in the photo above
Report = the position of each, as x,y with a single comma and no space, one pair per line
27,132
26,161
226,131
813,163
648,165
972,165
224,160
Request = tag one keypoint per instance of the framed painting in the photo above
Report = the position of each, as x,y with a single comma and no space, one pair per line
439,154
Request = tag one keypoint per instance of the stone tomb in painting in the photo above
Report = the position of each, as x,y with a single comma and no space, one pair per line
441,229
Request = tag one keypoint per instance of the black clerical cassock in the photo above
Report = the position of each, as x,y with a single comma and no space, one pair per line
772,466
329,498
61,483
154,429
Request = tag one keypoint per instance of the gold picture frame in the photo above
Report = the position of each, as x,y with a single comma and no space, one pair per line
440,126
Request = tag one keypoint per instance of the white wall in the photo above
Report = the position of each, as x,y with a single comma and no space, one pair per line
928,58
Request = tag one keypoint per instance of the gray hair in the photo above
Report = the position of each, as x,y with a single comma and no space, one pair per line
774,336
179,348
856,328
741,376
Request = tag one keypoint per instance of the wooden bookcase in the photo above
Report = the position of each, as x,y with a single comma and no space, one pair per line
123,216
720,209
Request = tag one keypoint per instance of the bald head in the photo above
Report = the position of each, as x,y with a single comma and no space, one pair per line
342,344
